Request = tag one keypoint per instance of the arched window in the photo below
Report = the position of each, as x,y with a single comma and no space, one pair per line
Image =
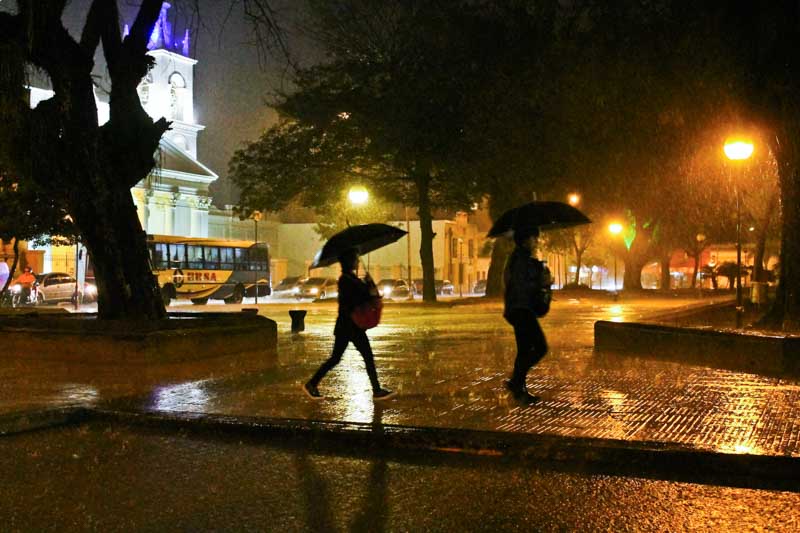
177,88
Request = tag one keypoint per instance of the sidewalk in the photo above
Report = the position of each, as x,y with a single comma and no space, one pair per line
447,365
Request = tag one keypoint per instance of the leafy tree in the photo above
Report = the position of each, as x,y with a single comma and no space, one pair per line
29,216
392,106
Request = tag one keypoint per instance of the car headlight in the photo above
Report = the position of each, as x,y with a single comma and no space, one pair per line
387,291
90,289
295,290
314,290
16,288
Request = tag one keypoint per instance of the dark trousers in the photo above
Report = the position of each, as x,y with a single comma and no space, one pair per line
531,344
341,339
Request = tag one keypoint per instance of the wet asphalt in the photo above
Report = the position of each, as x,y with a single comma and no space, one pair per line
110,478
447,364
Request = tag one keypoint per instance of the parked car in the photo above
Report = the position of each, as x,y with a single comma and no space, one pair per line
288,287
443,286
479,287
54,287
393,288
319,288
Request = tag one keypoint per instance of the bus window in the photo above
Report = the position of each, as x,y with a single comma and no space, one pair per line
159,255
194,255
177,256
211,254
226,258
240,255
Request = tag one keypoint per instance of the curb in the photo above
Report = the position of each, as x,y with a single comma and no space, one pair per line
662,459
609,456
22,422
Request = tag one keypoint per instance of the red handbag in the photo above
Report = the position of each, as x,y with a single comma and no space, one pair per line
368,314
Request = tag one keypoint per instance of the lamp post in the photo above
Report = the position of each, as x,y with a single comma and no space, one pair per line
701,238
256,216
408,255
358,196
738,150
574,199
615,228
460,267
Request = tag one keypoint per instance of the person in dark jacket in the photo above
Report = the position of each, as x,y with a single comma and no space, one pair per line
524,279
352,293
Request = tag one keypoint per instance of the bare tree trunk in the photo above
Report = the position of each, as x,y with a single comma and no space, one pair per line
785,311
11,270
426,238
578,259
632,279
759,273
494,278
696,268
90,168
666,279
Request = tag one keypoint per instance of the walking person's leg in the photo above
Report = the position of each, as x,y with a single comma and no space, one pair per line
340,343
529,338
361,342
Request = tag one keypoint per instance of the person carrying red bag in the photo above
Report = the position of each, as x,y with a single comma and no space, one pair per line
354,295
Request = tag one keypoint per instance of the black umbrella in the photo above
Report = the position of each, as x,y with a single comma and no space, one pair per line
363,238
544,215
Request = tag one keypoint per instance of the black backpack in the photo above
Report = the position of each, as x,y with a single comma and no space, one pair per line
544,295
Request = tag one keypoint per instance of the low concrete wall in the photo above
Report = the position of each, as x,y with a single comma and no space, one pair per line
182,337
744,351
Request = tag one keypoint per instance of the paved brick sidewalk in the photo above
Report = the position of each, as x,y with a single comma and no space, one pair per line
448,365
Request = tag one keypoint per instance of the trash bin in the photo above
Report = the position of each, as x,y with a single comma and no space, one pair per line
298,320
758,292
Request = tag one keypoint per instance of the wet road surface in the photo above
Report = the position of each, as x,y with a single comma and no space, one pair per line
109,478
447,365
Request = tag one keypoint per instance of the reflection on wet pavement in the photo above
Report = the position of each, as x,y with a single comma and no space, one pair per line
447,364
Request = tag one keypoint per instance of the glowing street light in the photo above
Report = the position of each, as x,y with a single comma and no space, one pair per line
574,199
615,228
358,195
738,150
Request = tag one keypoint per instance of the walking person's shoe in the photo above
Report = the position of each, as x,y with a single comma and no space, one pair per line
520,393
382,394
312,391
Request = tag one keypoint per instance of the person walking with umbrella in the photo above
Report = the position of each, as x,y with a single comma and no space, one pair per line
355,295
353,292
527,281
527,297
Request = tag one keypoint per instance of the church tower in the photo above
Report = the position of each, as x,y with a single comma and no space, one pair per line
175,199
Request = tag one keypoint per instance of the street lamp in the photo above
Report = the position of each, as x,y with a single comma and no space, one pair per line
574,199
615,228
738,150
358,195
256,216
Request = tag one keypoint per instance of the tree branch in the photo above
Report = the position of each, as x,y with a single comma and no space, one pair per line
102,22
50,45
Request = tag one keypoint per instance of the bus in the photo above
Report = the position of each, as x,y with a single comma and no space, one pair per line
198,269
